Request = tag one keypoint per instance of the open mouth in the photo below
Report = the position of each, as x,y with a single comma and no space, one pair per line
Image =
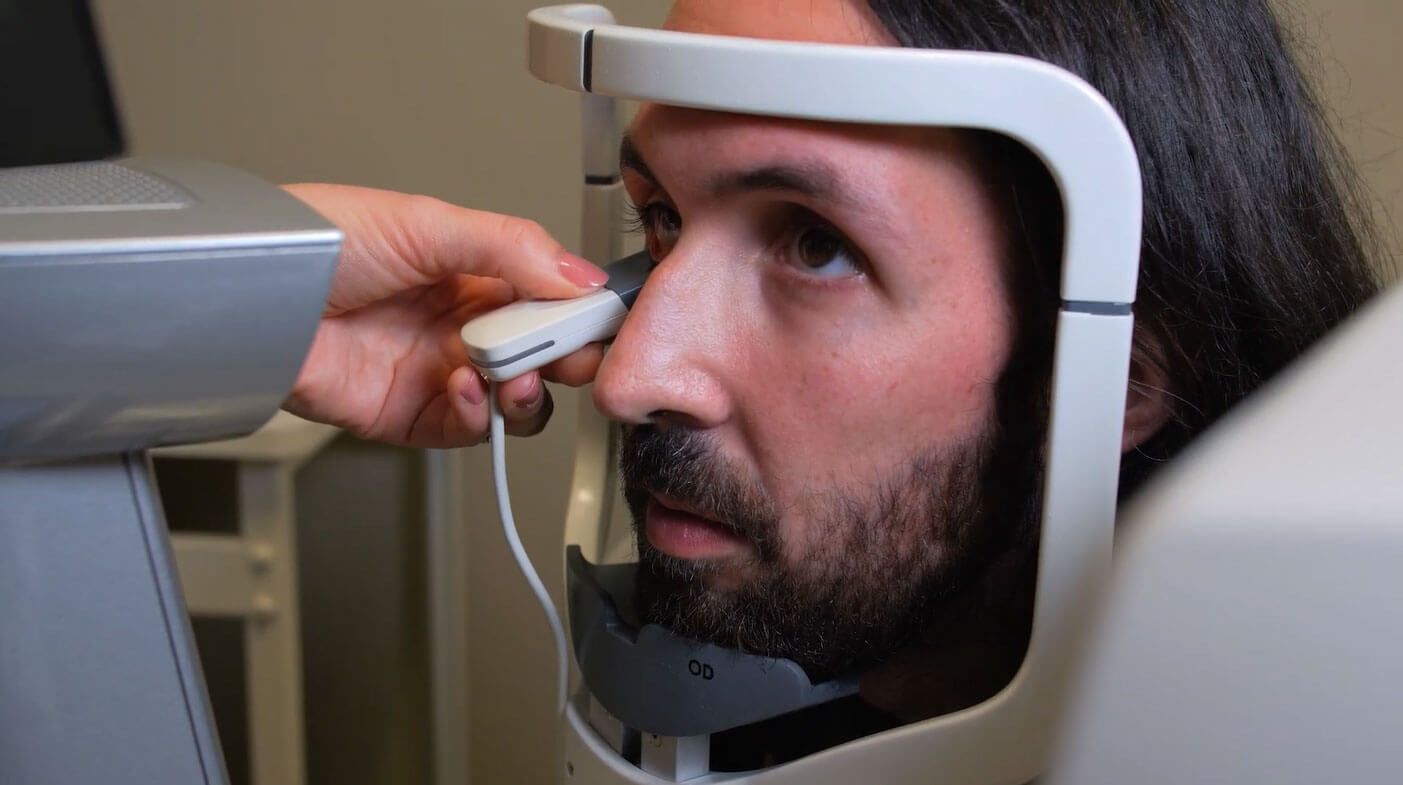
678,532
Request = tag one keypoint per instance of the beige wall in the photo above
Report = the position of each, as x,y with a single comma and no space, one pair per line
1350,49
431,96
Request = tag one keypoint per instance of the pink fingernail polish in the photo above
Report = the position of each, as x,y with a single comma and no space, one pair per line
579,271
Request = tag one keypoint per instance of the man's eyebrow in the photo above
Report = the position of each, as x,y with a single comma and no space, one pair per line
630,158
810,178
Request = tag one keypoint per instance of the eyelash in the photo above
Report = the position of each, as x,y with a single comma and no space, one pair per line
638,219
635,217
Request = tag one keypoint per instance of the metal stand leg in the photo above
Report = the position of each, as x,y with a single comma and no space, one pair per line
273,644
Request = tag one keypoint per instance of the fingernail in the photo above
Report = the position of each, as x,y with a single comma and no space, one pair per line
579,271
475,393
532,396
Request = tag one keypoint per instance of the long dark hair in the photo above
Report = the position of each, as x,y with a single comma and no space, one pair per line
1256,237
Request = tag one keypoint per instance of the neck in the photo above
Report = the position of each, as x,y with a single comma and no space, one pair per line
970,651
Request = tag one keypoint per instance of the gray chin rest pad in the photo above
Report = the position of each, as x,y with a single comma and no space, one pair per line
658,682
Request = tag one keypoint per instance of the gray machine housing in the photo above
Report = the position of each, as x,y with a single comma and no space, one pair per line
142,302
150,301
657,682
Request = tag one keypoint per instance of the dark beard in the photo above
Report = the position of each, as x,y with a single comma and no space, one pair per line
888,556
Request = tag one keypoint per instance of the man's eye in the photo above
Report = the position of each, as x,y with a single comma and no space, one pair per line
660,225
821,252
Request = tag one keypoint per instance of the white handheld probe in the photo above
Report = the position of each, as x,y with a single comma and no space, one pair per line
521,337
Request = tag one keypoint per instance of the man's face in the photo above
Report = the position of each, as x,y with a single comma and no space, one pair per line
810,371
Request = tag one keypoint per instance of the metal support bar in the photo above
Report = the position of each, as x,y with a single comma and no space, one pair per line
223,575
273,642
447,563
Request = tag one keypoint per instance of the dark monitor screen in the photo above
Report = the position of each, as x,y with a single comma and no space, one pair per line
55,102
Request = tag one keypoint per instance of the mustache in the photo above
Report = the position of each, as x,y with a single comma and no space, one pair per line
686,465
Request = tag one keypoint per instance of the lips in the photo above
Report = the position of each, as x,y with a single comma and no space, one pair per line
682,534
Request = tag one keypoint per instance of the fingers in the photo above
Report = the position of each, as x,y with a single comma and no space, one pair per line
526,404
467,393
525,401
396,241
455,240
578,368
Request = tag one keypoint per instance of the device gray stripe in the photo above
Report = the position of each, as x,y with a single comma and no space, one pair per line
587,64
1096,307
514,357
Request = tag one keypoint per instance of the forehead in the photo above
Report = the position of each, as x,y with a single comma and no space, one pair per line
824,21
720,139
688,148
720,136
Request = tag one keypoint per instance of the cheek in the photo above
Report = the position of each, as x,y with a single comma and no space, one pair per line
844,403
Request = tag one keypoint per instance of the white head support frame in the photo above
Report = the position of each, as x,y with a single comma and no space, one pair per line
1081,140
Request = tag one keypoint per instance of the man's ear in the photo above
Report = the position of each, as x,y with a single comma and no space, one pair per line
1149,401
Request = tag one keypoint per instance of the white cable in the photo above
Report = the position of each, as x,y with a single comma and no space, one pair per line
504,510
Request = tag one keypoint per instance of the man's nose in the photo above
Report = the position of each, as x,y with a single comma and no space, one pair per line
668,363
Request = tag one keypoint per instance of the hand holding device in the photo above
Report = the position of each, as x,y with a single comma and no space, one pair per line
411,271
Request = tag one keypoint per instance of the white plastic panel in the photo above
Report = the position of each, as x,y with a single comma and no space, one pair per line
1253,627
599,144
1056,114
555,42
603,209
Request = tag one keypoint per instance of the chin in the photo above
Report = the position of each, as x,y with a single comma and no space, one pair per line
728,578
